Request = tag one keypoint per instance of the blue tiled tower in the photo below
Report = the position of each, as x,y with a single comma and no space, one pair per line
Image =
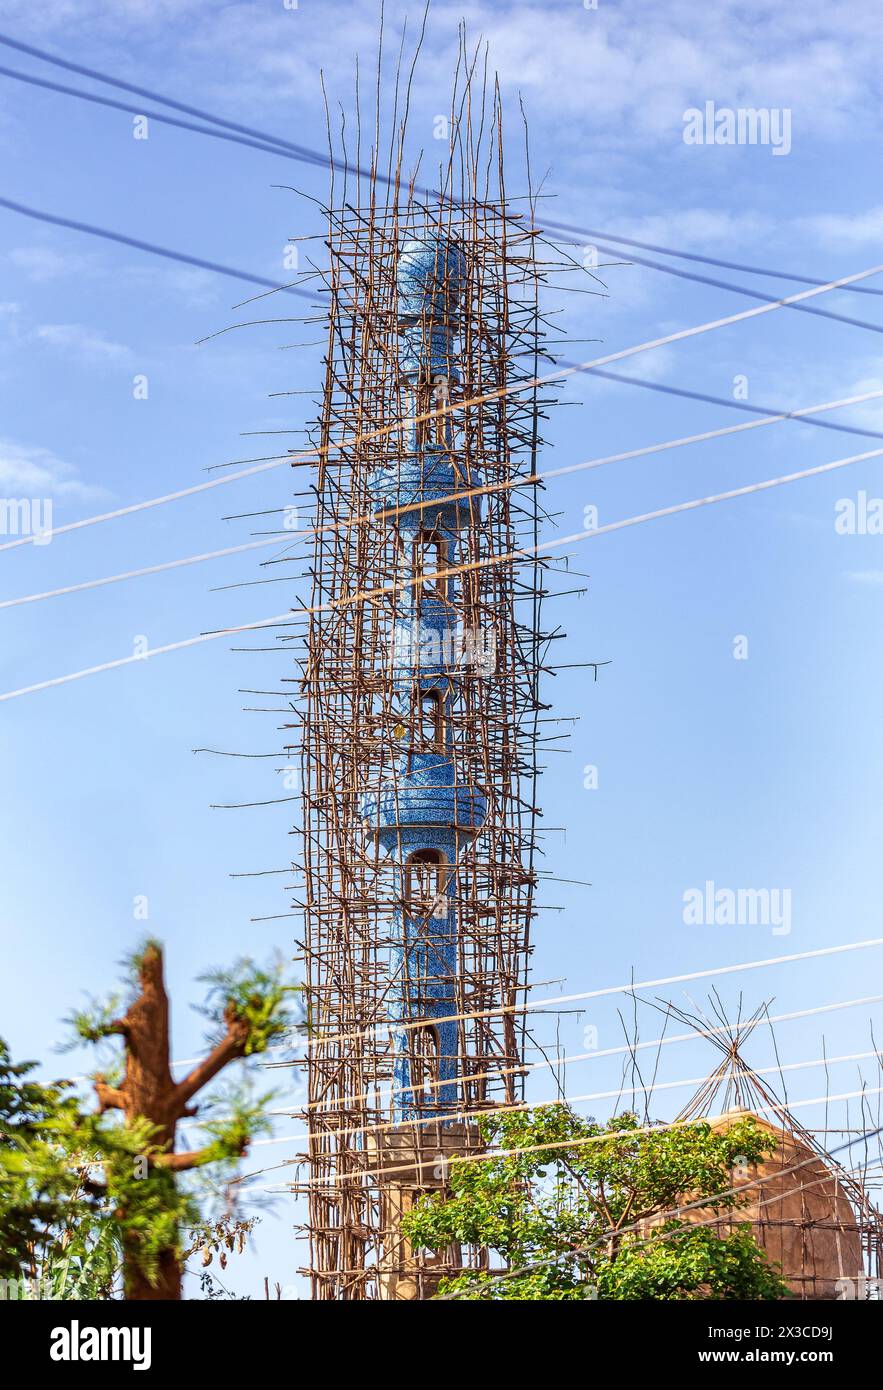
423,818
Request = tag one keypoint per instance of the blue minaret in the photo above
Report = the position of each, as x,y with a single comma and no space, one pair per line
424,818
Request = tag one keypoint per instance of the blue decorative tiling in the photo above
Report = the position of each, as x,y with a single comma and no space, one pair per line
423,810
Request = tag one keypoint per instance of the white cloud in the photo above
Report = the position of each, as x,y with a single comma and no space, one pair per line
41,263
847,230
793,388
870,578
84,343
32,471
626,70
869,414
700,227
188,285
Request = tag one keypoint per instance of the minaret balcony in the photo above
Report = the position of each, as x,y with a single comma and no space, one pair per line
429,475
423,797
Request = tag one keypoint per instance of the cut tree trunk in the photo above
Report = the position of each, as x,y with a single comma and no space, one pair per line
150,1092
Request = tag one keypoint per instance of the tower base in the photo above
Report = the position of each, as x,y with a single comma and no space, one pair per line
410,1164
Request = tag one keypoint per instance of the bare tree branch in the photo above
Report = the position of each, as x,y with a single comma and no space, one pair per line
231,1047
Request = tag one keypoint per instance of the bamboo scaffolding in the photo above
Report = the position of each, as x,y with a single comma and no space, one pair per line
355,724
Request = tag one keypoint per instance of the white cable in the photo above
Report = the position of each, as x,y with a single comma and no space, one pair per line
627,1048
870,1169
540,476
642,984
491,1155
396,1026
559,375
143,656
558,1100
138,574
597,1052
521,553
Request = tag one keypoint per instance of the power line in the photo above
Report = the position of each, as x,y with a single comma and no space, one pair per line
443,411
626,1049
144,656
693,256
56,220
524,552
311,156
865,1169
742,289
279,151
555,1000
619,1051
139,573
387,1093
275,144
97,100
489,488
486,1112
493,1155
668,390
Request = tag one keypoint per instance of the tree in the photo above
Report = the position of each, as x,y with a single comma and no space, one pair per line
583,1219
35,1189
84,1194
56,1240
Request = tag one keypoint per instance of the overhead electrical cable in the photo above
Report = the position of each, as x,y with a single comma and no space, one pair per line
158,116
486,489
490,1110
274,143
491,1155
140,245
559,374
524,552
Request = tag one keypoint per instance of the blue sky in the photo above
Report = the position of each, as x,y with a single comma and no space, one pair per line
753,773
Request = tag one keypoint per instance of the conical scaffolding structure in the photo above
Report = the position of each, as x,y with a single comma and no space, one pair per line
810,1213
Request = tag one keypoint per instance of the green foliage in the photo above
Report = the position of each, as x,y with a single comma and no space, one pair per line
85,1264
76,1188
79,1192
236,1115
134,961
589,1219
256,995
93,1023
34,1187
692,1262
147,1206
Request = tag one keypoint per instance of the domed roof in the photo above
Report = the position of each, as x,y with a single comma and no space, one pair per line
430,278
